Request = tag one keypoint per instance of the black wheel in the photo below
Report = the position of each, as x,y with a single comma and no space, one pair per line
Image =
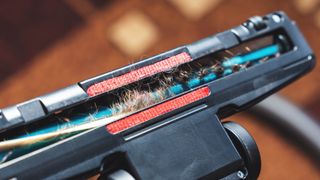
246,146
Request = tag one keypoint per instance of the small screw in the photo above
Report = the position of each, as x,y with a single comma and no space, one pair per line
276,18
241,175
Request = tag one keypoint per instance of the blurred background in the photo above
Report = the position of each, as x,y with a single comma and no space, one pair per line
48,44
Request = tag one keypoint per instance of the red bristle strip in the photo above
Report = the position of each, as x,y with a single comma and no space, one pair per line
138,74
158,110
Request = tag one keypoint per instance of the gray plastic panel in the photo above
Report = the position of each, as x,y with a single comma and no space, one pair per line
40,107
211,44
63,98
10,117
31,110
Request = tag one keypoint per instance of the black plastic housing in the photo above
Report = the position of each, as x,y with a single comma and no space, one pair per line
188,143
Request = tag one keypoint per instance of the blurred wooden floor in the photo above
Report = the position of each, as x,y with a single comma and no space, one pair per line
46,45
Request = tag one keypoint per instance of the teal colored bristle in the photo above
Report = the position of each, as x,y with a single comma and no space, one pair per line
176,89
233,61
155,95
29,148
103,112
192,83
227,72
252,56
2,156
75,120
209,77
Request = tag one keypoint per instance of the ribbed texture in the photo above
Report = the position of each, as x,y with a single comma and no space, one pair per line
138,74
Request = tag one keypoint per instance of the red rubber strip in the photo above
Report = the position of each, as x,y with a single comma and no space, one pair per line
138,74
158,110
